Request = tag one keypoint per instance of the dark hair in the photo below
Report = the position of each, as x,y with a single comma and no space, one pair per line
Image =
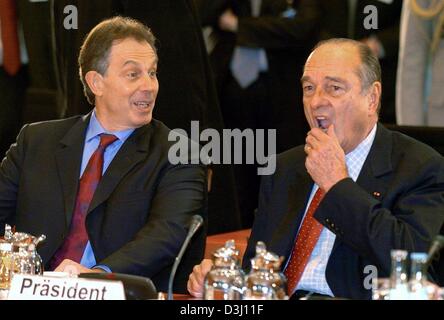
96,48
369,70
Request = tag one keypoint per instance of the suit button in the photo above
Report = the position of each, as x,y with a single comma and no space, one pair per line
333,225
327,220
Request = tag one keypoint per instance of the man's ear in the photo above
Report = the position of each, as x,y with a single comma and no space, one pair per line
374,96
95,82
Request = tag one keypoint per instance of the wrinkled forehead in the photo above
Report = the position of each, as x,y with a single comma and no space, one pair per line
332,60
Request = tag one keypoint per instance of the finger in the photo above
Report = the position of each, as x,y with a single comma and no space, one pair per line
197,272
71,269
312,142
58,268
194,287
317,133
331,131
307,149
196,269
190,281
206,266
62,265
198,276
332,134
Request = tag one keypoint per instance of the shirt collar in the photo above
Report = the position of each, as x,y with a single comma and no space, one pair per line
95,128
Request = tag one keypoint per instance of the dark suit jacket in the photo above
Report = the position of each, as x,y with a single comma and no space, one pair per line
139,216
187,90
406,212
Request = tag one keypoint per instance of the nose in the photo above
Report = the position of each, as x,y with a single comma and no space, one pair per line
148,83
318,99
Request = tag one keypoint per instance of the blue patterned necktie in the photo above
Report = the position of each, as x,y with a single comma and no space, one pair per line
247,63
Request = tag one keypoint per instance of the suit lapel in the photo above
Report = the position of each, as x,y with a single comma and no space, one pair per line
133,151
298,194
377,166
68,160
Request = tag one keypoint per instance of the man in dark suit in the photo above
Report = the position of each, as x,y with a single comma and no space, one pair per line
188,92
135,217
353,192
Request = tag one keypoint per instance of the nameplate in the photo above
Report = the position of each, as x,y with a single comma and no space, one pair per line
30,287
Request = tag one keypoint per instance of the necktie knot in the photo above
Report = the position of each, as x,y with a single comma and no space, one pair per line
106,140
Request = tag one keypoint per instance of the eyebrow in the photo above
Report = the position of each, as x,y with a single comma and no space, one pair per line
137,63
335,79
305,78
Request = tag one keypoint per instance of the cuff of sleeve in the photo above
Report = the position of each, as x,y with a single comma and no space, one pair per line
102,267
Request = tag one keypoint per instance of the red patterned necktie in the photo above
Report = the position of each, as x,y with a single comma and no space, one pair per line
76,241
9,34
306,240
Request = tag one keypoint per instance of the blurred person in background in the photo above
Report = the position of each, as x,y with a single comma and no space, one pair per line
13,73
420,82
347,19
257,53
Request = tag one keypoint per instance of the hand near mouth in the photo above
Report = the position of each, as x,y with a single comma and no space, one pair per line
325,160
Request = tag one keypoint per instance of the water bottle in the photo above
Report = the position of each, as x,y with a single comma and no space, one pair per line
25,255
265,280
5,264
225,281
398,277
418,278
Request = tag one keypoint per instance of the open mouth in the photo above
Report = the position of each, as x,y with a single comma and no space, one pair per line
322,122
142,104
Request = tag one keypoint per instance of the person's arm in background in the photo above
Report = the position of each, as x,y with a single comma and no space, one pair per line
265,31
277,32
209,11
413,53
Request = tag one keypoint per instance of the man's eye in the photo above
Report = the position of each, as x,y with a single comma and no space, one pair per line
132,75
335,89
152,74
307,88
